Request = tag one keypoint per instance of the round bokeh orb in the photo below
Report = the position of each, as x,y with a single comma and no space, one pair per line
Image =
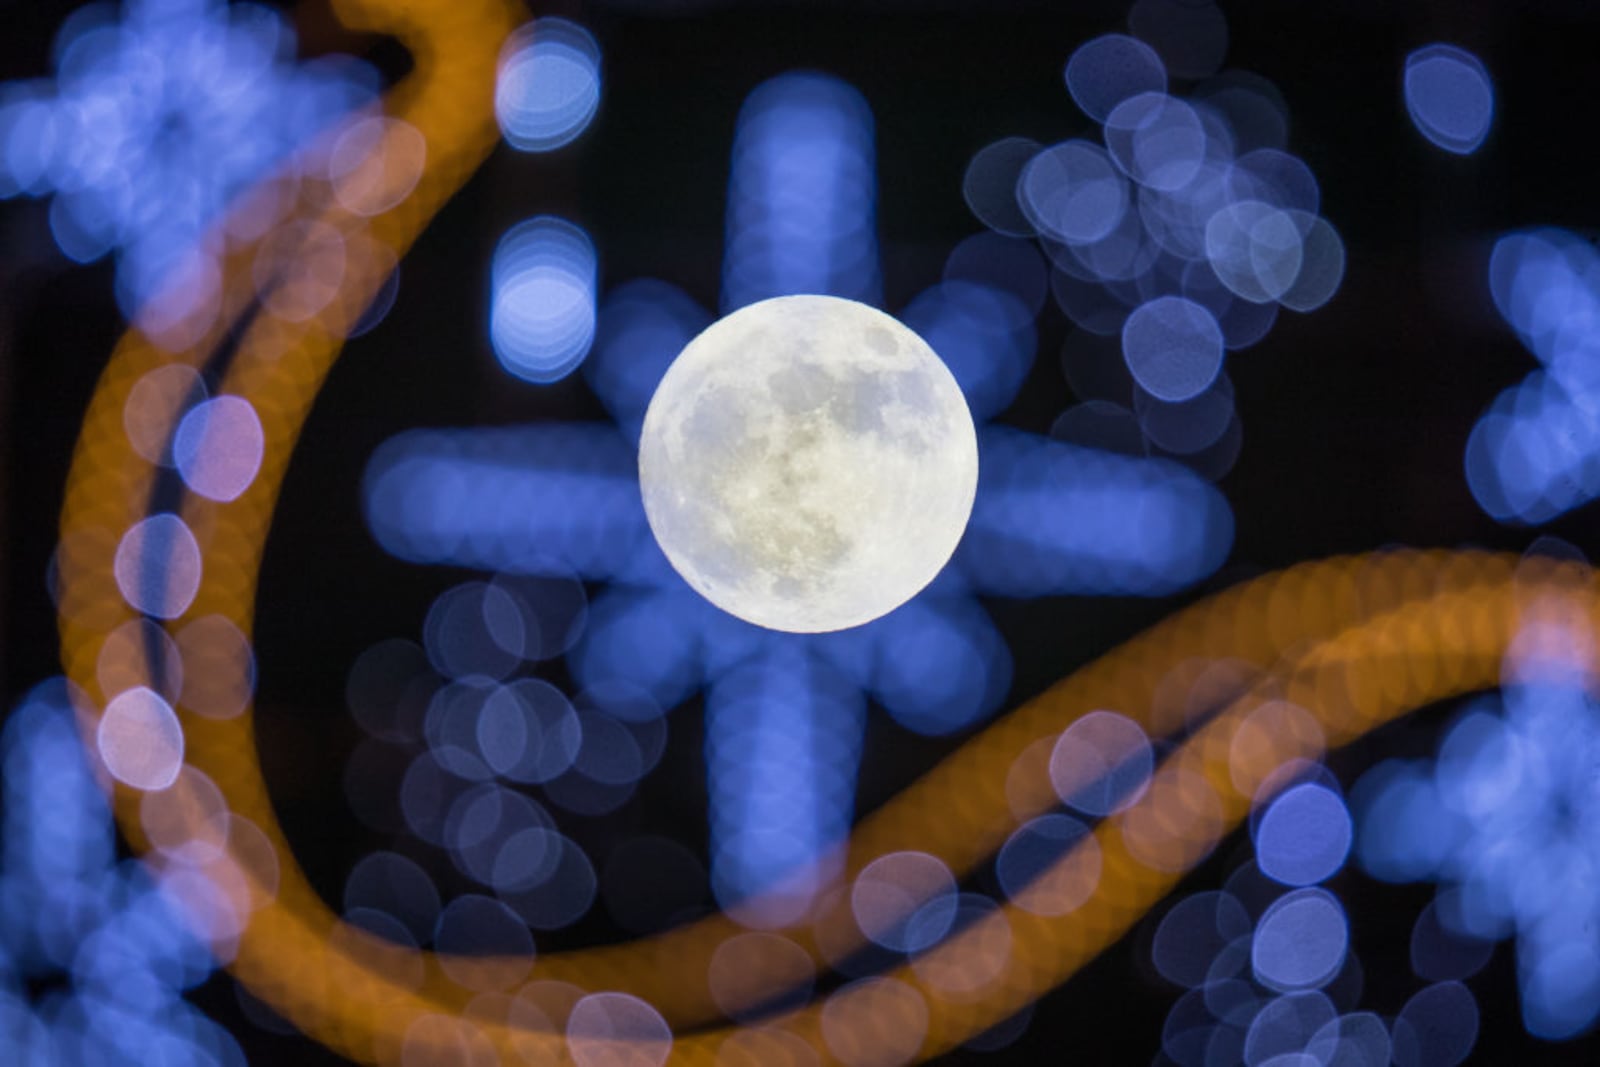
808,463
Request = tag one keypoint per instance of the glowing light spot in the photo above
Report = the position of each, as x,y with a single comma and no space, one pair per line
1286,1025
483,944
989,185
1449,97
1193,934
1027,867
221,668
157,566
548,88
777,970
1300,942
1321,265
376,164
1073,192
1437,1027
986,934
218,447
1561,992
154,405
802,194
1188,426
137,652
904,901
1107,70
893,1013
1157,140
551,730
1173,347
188,822
1255,249
557,899
617,1030
1102,763
1304,836
1356,1040
1441,954
474,629
299,268
392,885
140,741
542,319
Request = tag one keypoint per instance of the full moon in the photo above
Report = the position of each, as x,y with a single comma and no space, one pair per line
808,463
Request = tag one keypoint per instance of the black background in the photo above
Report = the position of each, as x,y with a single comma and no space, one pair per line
1354,417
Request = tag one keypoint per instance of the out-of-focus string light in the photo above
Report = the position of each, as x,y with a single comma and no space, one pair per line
542,319
1188,230
548,89
1449,97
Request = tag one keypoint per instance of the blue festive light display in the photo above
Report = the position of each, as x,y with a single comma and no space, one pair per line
1180,235
1535,453
785,714
160,113
96,953
1507,819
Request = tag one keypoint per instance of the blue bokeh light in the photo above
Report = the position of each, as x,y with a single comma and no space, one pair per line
1173,348
1304,836
155,122
1449,97
109,950
542,316
802,194
1535,453
1192,200
1300,941
548,87
1103,72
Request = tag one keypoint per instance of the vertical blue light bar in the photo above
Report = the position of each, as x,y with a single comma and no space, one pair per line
802,193
783,745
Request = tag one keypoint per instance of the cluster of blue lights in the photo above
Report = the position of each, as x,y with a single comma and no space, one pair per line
1180,235
548,88
544,284
1449,97
159,114
1507,819
1267,963
545,276
1535,453
95,952
467,733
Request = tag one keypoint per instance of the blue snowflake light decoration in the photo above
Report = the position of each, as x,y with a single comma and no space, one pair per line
786,714
110,944
1507,819
160,113
1535,454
